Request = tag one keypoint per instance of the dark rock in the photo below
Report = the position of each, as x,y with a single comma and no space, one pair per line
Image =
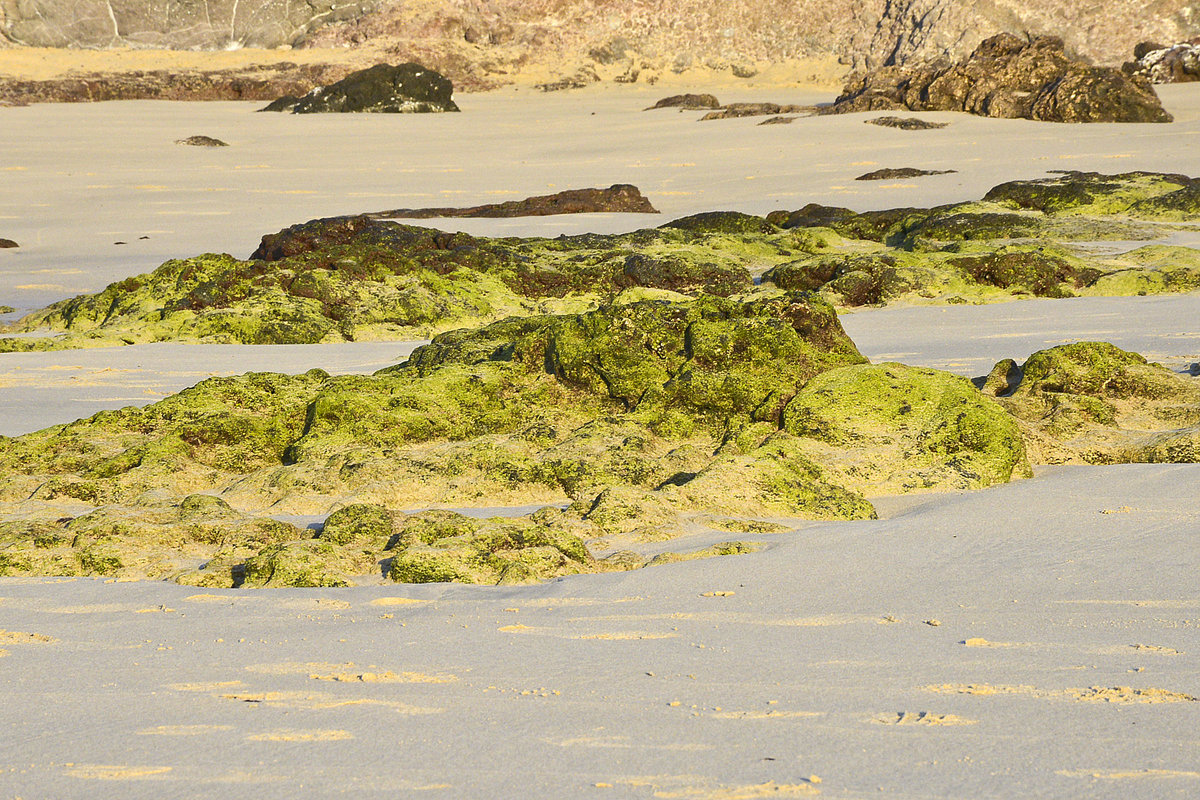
1036,273
402,89
733,222
777,121
202,141
734,110
870,225
618,198
254,82
8,243
1143,194
901,172
687,102
1178,63
906,123
1008,77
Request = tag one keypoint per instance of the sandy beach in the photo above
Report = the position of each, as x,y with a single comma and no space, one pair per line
1038,639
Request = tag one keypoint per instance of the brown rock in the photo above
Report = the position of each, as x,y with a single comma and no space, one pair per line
906,123
618,198
6,243
687,102
901,172
1008,77
733,110
1178,63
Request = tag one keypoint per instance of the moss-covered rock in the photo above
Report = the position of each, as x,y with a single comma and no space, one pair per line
888,427
1095,403
358,522
308,562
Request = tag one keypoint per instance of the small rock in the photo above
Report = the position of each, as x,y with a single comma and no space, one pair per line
687,102
933,623
777,121
6,243
906,123
202,141
901,172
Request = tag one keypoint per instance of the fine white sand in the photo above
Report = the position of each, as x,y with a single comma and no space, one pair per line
1039,639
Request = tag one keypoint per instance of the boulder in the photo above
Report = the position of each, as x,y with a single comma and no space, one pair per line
894,173
1009,77
403,89
1178,63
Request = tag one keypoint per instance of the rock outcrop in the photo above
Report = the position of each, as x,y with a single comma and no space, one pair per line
1178,63
1008,77
620,198
361,277
407,88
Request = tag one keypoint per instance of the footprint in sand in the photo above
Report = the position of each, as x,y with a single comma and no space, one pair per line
289,735
920,718
17,637
115,772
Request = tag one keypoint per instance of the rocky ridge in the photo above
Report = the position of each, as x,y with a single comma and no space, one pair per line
363,277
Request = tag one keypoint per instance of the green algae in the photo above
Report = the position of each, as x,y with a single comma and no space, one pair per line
1092,402
359,278
884,427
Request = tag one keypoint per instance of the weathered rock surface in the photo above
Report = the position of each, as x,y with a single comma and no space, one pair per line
735,110
214,25
401,89
1179,63
257,82
906,123
1091,402
1008,77
8,243
202,141
892,173
620,198
687,102
364,278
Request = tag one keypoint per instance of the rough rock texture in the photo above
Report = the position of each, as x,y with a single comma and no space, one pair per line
906,124
202,141
402,89
1009,77
735,110
687,102
1178,63
892,173
260,82
1091,402
363,278
7,243
620,198
211,25
923,30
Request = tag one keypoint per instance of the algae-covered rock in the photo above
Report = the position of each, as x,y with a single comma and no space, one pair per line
308,562
890,427
1148,195
358,522
401,89
1095,403
438,548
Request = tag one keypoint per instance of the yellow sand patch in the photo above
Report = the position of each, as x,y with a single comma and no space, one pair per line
717,594
1093,694
155,610
17,637
765,714
386,676
980,642
920,718
204,686
114,772
768,789
621,635
1126,694
301,736
184,730
554,602
396,601
1153,648
1120,775
518,628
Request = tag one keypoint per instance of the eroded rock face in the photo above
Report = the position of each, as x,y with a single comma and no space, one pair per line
384,89
1178,63
212,25
620,198
1009,77
1092,402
